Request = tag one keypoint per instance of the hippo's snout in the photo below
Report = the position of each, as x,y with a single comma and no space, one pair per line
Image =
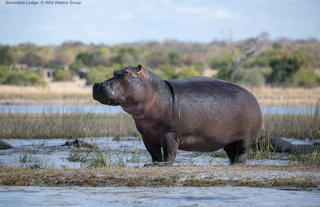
104,93
98,91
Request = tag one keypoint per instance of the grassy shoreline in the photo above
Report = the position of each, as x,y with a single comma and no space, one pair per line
71,93
198,176
119,125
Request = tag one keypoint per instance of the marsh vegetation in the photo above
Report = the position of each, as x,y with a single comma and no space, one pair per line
119,125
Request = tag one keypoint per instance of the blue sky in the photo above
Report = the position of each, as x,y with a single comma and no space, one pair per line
112,22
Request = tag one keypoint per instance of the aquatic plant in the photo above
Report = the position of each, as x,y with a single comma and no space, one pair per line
312,159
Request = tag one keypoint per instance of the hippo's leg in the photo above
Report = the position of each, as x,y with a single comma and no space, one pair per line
155,151
237,152
170,147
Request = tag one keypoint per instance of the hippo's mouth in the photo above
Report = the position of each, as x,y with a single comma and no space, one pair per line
101,94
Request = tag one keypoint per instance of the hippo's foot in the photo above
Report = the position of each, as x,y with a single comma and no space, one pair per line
159,164
237,153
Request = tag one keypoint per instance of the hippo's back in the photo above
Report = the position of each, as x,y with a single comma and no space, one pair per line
204,89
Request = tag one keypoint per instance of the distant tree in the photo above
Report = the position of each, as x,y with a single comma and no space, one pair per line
188,72
156,59
62,58
282,70
86,58
305,77
168,72
77,65
125,56
174,58
264,58
31,58
224,68
5,56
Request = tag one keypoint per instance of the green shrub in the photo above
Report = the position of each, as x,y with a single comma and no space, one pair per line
265,57
76,66
199,66
168,72
282,70
224,68
305,77
5,55
251,77
4,70
62,75
98,74
22,78
188,72
174,58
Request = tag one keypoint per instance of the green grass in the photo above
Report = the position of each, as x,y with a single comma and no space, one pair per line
119,125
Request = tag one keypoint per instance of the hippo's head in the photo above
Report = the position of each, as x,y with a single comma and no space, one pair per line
127,87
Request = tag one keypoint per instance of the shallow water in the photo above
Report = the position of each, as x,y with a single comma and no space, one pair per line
129,151
98,109
154,196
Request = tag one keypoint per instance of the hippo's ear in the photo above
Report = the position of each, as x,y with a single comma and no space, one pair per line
138,68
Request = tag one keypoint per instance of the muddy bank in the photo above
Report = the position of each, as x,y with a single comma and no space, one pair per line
198,176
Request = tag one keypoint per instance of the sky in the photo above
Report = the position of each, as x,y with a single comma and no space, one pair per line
125,21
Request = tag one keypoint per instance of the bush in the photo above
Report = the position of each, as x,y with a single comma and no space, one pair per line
4,70
188,72
77,65
174,58
250,77
5,55
62,75
168,72
282,70
98,74
156,59
305,77
199,66
265,57
21,78
224,68
125,56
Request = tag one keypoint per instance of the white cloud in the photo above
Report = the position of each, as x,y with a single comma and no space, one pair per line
191,10
223,14
123,16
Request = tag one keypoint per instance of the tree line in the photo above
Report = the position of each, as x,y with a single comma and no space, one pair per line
255,61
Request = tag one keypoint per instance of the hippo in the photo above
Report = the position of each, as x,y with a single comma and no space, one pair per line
194,114
4,145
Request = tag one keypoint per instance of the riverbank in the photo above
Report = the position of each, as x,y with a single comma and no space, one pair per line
301,177
79,93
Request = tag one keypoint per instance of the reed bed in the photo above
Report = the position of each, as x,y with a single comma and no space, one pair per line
119,125
66,125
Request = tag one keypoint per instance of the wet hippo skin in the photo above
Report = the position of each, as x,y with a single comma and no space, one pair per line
194,114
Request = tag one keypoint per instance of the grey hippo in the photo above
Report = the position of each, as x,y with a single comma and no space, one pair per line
194,114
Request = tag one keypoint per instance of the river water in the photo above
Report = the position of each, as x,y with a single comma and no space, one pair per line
128,151
25,196
98,109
